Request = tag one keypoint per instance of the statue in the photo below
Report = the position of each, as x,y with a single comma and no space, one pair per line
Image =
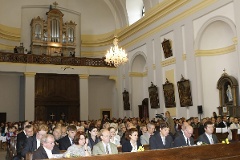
229,93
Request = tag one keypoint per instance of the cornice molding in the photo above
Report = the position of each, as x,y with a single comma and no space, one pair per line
29,74
113,78
10,33
138,74
215,52
83,76
168,62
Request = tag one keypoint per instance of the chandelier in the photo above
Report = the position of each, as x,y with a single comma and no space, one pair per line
116,56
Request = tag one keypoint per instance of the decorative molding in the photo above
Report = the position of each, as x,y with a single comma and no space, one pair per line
168,62
138,74
83,76
29,74
235,40
184,57
10,33
215,52
113,78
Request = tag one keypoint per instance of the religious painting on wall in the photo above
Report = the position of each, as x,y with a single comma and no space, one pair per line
169,97
153,95
126,104
167,48
184,90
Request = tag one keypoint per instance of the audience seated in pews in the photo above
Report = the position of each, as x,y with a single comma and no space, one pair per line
144,139
33,142
208,137
47,148
161,139
105,146
132,143
184,139
80,147
92,136
67,141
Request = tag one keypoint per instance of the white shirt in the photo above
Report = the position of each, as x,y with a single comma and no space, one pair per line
187,140
134,148
38,143
210,138
49,153
109,148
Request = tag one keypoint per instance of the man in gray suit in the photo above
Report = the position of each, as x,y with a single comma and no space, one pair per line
208,137
105,146
144,139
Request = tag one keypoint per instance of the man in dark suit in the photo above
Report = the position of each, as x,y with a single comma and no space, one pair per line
33,143
161,139
67,141
47,149
224,123
22,136
208,137
184,139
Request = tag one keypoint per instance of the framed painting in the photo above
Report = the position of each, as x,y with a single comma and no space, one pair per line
126,104
184,90
169,96
153,95
167,48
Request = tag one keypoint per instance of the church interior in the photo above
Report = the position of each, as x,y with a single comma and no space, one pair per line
182,57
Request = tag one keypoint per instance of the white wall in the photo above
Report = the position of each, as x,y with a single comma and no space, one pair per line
101,95
9,95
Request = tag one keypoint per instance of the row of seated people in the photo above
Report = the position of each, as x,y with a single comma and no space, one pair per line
44,146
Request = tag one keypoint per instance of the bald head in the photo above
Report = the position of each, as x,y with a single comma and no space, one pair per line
188,131
184,125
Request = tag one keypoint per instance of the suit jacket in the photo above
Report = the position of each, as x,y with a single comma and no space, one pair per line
30,145
222,125
127,147
203,138
98,149
64,143
144,139
40,153
21,138
180,141
156,142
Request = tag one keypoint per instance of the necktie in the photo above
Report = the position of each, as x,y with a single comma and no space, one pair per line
211,140
187,142
107,151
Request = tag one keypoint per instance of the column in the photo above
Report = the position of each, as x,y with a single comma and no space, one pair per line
29,99
83,89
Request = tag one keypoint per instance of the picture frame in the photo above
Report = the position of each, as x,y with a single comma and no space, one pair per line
126,104
169,96
167,48
184,90
153,96
224,109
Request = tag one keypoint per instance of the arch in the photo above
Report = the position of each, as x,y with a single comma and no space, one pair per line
133,59
134,10
205,26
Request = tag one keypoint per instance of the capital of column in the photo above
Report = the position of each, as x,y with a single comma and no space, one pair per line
83,76
29,74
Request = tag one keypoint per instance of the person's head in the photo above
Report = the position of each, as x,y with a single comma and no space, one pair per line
122,128
225,118
236,120
47,141
25,124
64,131
184,125
164,129
129,126
209,127
80,129
150,128
57,132
167,114
132,134
188,131
106,125
112,131
143,128
105,136
79,138
28,130
41,131
93,131
71,131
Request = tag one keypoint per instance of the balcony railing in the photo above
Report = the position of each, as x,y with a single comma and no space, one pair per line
57,60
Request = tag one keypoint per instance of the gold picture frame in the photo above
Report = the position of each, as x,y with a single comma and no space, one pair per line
169,96
184,90
153,95
167,48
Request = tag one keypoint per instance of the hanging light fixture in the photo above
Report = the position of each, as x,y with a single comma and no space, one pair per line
116,56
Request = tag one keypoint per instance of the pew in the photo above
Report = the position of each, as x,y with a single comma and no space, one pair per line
235,136
213,152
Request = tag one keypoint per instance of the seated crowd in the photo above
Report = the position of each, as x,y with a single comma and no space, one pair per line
100,137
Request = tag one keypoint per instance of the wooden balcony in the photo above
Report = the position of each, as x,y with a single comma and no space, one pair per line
57,60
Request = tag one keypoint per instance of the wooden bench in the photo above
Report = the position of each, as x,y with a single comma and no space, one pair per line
212,152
